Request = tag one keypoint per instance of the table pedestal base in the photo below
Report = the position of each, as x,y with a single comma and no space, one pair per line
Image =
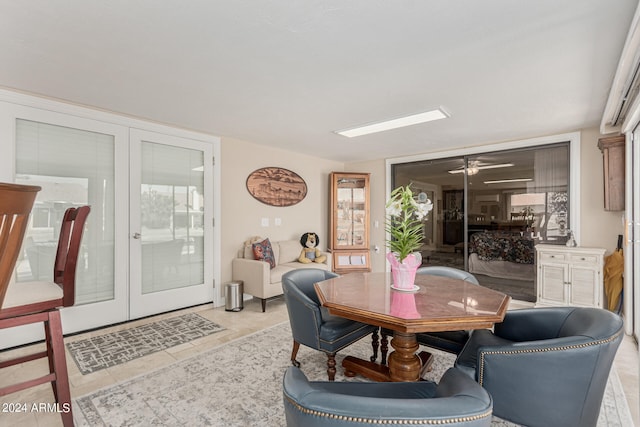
403,364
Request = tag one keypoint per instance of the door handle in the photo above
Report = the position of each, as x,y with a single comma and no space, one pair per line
136,235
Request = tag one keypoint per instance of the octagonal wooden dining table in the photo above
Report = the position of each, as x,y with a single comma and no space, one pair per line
438,304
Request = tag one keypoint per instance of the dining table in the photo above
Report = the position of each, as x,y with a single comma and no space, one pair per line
434,304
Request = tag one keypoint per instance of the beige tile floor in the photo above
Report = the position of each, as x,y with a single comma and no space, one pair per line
250,320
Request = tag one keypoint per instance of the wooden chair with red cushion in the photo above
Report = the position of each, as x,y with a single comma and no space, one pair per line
34,302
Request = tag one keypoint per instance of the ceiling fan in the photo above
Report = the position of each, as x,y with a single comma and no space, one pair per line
476,166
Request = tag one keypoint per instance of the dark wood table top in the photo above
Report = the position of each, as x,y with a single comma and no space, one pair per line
440,303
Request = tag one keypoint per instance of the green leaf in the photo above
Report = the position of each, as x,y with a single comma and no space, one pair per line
405,230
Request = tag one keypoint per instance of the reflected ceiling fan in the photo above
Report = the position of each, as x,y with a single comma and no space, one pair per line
476,166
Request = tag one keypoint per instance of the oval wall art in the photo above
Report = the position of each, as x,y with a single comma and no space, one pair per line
276,186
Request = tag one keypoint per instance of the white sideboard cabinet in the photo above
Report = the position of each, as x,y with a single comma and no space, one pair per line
569,276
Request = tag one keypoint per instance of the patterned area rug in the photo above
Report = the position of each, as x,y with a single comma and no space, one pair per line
240,384
104,351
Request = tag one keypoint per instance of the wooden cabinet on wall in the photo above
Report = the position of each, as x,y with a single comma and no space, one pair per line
349,222
570,276
613,157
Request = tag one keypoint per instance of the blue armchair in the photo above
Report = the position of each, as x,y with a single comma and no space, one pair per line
449,341
545,366
456,401
312,325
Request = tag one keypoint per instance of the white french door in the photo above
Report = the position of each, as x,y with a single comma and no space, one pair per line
76,161
171,223
139,184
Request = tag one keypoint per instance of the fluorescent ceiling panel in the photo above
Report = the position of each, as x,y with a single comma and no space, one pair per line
500,181
395,123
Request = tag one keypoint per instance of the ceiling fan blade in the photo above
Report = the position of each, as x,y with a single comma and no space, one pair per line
478,166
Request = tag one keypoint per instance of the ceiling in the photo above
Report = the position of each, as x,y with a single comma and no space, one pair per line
288,73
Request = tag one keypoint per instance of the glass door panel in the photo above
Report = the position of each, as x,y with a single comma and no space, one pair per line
79,170
351,212
524,191
501,212
491,209
516,199
169,225
172,225
74,160
442,181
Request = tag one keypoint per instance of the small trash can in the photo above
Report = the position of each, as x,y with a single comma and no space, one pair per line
233,293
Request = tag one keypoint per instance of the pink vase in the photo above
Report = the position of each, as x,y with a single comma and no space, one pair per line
404,274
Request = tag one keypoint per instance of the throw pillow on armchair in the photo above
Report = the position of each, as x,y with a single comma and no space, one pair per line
262,251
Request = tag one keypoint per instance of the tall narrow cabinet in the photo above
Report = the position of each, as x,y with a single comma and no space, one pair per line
612,148
349,222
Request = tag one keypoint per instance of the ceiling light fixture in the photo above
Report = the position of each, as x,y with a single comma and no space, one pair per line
500,181
395,123
473,169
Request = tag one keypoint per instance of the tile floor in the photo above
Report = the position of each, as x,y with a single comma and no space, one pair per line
237,324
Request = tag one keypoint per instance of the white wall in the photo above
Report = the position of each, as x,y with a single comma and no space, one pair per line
242,214
598,228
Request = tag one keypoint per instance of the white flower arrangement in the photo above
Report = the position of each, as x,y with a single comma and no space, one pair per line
404,221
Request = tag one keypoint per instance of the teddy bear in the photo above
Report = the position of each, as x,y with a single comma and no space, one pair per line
310,253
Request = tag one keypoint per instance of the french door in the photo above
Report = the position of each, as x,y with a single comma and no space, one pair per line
171,223
148,241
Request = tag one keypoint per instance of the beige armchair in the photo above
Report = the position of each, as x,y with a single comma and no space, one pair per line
264,282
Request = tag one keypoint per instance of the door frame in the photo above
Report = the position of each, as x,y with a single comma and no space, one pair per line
631,286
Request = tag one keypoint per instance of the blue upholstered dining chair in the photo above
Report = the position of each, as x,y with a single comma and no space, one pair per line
312,325
456,401
545,366
449,341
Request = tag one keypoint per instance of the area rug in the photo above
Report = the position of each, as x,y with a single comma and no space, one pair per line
104,351
240,384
